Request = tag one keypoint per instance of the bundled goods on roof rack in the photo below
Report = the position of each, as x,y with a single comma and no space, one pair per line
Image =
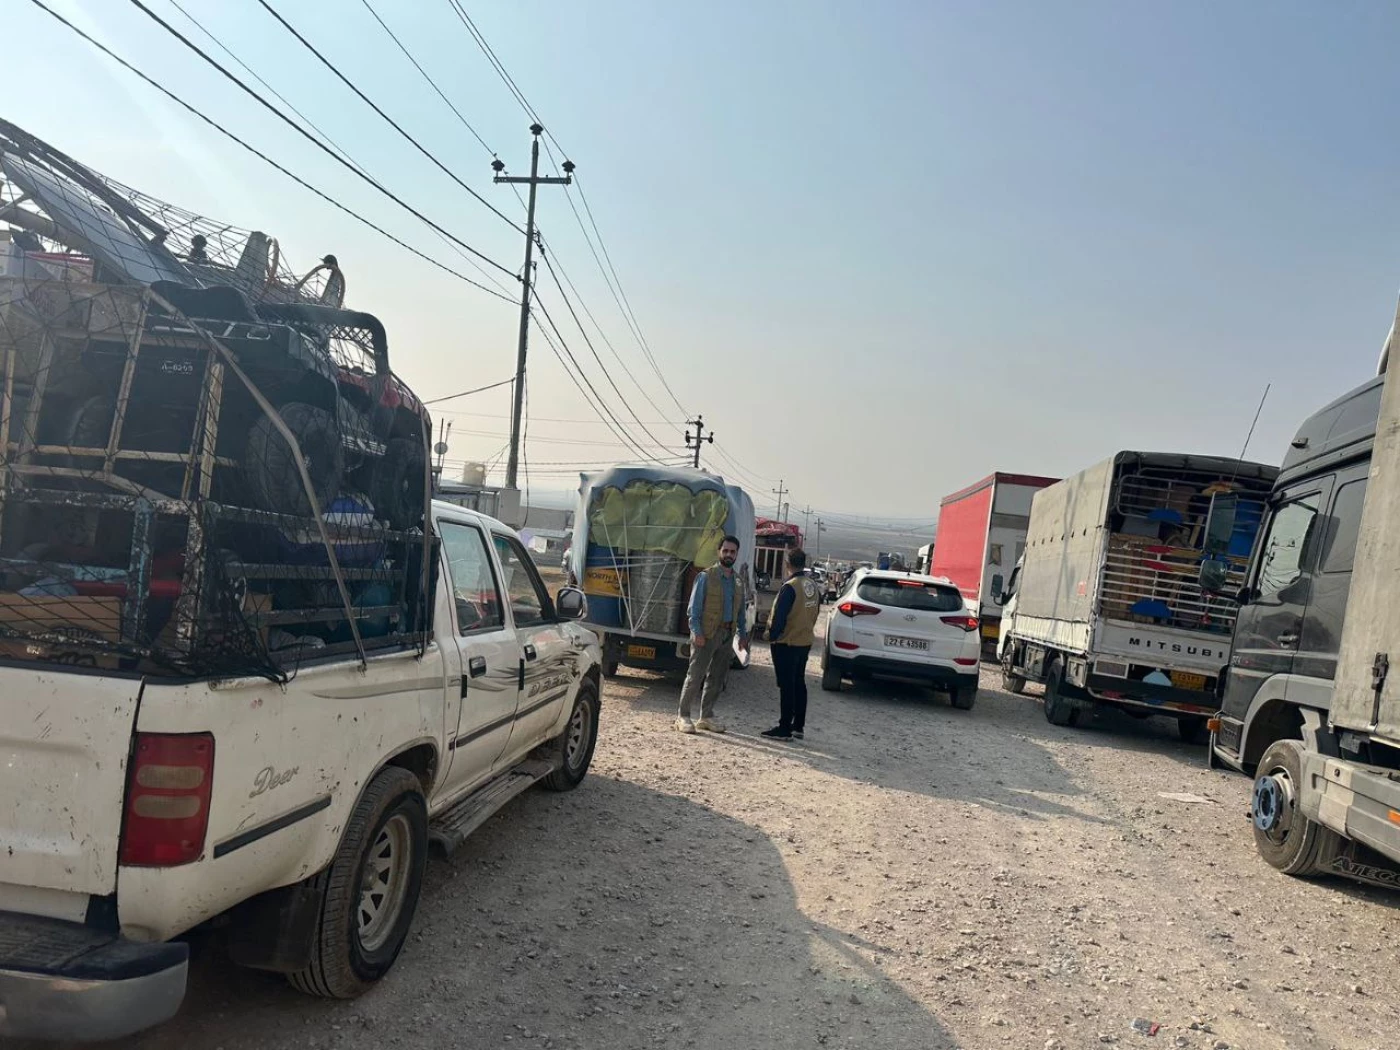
207,466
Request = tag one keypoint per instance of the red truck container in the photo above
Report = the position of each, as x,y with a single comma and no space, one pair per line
981,534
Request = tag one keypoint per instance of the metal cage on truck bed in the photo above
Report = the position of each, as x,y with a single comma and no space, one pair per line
206,466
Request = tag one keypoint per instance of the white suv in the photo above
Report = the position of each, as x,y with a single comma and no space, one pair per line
903,625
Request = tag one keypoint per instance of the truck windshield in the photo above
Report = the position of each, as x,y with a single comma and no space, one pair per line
911,594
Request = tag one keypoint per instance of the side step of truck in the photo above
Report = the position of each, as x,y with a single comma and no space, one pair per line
451,828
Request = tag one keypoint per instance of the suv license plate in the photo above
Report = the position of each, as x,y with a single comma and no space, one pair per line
893,641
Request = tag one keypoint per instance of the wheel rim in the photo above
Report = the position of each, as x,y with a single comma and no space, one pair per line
384,883
576,741
1273,804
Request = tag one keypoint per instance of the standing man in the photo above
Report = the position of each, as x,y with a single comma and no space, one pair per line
790,636
716,612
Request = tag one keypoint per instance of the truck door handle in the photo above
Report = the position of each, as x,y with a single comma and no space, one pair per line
530,653
476,667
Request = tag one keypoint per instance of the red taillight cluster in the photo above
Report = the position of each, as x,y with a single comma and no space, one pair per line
967,623
167,799
857,609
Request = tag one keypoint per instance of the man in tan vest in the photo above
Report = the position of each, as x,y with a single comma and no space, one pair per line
790,637
716,613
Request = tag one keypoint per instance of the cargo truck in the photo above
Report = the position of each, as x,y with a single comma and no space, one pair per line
981,534
1311,708
1106,606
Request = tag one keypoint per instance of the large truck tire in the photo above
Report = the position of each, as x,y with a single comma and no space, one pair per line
270,466
1285,838
1192,729
1059,709
370,890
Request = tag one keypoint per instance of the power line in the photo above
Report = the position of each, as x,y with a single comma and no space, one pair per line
465,123
474,390
593,350
597,403
268,160
388,119
619,295
285,119
319,130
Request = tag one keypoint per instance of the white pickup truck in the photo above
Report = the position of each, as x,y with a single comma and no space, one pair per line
133,809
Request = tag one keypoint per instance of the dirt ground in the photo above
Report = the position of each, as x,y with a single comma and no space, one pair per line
910,877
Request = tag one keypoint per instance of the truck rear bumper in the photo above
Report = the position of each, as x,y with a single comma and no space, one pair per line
65,981
1163,699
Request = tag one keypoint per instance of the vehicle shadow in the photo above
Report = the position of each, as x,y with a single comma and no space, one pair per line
894,735
613,916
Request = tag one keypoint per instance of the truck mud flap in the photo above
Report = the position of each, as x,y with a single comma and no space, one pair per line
1363,864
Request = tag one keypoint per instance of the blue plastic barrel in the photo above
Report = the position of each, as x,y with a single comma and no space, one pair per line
604,581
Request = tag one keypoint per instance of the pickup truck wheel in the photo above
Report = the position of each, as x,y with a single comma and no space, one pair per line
577,741
270,468
370,889
1284,837
1059,710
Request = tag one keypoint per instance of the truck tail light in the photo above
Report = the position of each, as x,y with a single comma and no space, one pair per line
854,609
967,623
167,799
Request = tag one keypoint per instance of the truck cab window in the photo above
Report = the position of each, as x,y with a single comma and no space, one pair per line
474,589
1286,548
529,602
1344,527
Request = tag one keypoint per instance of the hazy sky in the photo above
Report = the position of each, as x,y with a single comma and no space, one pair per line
885,248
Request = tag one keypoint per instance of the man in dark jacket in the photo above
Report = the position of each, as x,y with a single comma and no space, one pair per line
794,622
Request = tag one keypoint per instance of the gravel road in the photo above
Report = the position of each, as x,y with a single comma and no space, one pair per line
909,877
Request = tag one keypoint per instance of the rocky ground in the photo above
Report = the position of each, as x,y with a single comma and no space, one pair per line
909,877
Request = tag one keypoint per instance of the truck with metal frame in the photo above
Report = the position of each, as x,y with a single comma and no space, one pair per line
1106,608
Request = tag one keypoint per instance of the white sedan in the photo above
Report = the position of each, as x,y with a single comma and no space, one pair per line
903,625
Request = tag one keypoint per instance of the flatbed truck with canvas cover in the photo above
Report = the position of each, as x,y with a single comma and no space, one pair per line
1106,606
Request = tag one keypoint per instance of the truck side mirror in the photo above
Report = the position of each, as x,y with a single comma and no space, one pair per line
571,604
998,590
1220,524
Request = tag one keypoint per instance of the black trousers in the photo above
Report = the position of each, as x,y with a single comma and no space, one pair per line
790,664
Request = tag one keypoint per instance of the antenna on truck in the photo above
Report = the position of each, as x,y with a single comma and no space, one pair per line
1250,436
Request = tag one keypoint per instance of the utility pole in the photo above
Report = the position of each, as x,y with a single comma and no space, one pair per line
821,527
699,424
534,181
779,492
806,522
785,512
